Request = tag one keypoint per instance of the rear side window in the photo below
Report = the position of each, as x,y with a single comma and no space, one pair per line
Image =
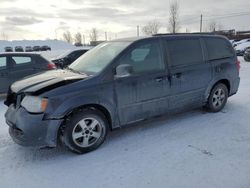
3,63
20,60
218,48
185,52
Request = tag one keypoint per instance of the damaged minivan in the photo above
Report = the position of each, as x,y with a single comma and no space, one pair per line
118,83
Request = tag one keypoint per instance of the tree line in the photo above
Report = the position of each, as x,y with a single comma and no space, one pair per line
151,28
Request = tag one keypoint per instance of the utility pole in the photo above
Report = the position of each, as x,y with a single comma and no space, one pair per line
83,37
138,31
106,36
201,24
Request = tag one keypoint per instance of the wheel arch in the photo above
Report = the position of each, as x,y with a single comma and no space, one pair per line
94,106
224,81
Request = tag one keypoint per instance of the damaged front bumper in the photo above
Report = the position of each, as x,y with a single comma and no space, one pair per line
31,129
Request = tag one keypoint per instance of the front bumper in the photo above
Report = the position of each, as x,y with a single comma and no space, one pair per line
31,129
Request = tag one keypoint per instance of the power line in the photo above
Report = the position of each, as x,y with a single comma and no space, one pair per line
209,17
228,14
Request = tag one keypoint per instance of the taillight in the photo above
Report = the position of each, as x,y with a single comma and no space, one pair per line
51,66
238,65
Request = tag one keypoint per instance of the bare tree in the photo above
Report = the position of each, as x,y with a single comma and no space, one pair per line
151,28
4,36
93,35
78,38
67,37
214,26
174,24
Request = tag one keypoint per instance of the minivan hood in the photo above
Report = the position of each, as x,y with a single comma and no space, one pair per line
46,81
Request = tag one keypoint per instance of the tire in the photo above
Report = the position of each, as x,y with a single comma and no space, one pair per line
217,98
85,131
246,59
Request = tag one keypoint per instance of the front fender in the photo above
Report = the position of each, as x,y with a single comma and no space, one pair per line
64,107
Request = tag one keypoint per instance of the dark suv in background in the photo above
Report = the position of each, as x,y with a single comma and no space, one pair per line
69,57
118,83
8,49
19,49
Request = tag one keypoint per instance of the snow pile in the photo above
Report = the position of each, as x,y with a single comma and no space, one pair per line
193,149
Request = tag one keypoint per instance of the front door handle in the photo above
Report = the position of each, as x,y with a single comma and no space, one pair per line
176,75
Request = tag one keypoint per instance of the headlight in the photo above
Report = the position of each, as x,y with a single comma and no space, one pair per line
34,104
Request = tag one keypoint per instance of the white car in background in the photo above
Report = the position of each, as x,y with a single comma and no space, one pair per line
241,48
241,42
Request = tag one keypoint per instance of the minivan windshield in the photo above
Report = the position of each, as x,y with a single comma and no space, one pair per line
96,59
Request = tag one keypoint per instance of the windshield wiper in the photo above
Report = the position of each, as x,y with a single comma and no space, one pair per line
75,71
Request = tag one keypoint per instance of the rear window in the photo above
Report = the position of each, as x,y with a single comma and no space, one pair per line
218,48
185,52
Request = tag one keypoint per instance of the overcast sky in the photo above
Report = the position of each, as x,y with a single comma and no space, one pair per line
43,19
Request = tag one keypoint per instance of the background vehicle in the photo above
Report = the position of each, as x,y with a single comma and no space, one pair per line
240,42
45,48
241,48
15,66
121,82
78,44
19,49
28,49
69,57
247,55
36,48
8,49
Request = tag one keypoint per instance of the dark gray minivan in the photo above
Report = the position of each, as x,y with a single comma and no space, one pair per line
118,83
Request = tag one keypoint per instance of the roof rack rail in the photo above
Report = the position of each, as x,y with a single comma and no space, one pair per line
195,33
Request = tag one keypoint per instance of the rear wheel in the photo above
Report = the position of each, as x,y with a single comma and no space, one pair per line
85,131
218,98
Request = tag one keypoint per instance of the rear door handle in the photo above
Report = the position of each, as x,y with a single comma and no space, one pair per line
159,79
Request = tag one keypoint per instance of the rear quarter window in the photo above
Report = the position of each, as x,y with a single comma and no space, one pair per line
184,52
21,60
218,48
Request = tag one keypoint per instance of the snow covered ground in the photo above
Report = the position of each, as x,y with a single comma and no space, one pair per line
193,149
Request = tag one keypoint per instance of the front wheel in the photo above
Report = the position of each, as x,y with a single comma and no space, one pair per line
217,98
85,131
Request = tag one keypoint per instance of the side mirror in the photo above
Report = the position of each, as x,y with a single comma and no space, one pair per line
124,70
